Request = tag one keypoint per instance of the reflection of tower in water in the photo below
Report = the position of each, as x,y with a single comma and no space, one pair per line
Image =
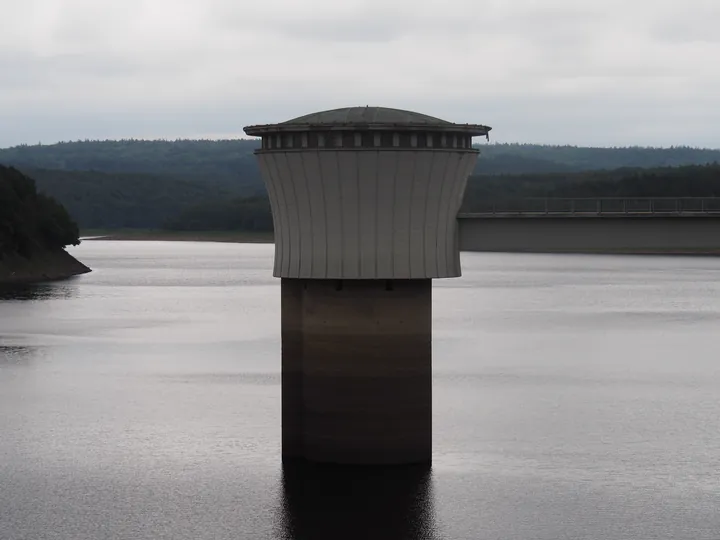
331,502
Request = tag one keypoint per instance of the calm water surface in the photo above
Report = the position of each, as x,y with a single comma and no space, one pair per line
574,397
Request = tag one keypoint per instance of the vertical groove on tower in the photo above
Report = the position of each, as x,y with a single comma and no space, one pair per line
285,211
465,168
333,211
326,225
315,194
276,214
391,229
341,221
287,172
402,248
419,226
377,213
436,180
368,209
309,225
285,180
448,204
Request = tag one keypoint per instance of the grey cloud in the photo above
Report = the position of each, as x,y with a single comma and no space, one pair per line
358,30
369,21
689,22
689,32
615,72
32,68
379,23
596,119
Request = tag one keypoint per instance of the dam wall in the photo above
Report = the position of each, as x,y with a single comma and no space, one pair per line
590,234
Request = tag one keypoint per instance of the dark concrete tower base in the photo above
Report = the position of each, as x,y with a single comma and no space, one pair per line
356,371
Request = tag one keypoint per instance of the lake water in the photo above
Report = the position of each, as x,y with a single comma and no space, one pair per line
574,397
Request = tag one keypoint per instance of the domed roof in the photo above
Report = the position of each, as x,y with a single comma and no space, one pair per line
367,115
372,118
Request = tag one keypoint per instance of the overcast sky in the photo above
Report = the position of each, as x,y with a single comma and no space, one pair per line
586,72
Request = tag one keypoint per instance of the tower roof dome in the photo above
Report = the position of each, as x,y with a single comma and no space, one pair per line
369,115
373,118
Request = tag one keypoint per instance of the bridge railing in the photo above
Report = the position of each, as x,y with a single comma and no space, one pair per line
602,206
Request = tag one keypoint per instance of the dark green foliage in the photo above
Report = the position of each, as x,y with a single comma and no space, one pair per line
124,200
28,220
232,164
534,158
190,184
54,223
503,190
515,164
240,214
228,162
506,191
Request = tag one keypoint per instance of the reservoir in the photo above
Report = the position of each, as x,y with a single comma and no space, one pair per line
574,396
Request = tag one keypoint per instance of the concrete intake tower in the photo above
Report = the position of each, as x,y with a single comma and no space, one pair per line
364,203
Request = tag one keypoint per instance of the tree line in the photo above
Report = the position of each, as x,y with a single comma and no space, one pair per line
99,200
485,191
150,201
204,184
231,161
31,221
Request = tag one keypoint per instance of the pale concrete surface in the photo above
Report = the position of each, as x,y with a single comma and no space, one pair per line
366,214
590,234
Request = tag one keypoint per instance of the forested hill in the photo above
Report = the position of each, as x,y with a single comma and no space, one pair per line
34,229
232,162
225,161
217,184
484,191
31,221
536,159
100,200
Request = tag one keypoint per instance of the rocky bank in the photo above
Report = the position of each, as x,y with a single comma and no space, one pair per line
47,265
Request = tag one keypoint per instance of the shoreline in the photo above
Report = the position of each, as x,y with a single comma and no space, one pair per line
240,237
243,237
42,267
691,252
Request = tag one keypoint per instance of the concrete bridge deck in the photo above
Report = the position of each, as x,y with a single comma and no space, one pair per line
602,206
607,225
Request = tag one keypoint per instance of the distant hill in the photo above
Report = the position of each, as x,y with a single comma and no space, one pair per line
232,161
534,158
483,191
150,184
250,214
487,191
229,162
99,200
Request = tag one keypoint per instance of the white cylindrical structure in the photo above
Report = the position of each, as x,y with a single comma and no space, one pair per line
366,193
